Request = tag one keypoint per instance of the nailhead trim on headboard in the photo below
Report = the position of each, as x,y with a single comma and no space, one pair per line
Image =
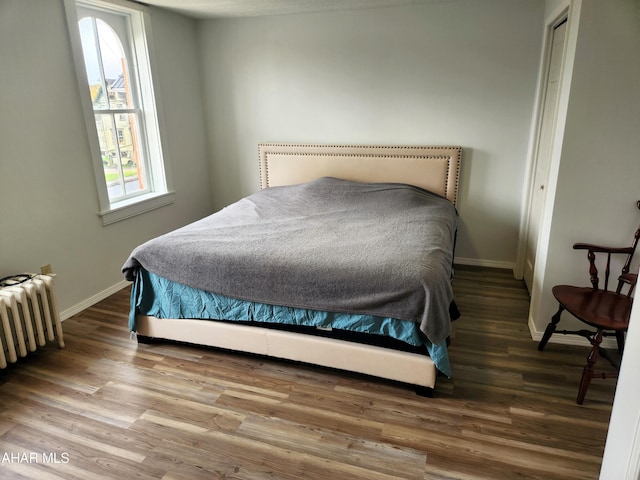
453,157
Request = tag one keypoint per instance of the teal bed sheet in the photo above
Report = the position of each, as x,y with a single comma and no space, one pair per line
161,298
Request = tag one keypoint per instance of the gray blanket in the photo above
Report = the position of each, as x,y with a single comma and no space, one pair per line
334,245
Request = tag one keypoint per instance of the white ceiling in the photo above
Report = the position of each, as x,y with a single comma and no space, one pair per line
255,8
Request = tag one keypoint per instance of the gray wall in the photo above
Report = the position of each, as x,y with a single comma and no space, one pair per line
451,73
49,205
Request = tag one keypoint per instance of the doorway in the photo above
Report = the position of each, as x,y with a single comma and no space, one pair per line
543,147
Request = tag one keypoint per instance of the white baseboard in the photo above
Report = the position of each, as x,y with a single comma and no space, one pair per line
70,312
608,343
484,263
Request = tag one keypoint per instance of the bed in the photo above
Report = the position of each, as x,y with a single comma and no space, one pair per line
343,259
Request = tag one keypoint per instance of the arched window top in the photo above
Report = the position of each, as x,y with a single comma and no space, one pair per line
106,65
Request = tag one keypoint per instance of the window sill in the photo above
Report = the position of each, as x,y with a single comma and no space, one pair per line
136,206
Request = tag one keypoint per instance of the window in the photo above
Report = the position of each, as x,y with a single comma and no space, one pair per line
114,69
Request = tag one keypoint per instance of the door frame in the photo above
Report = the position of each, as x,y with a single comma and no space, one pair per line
554,19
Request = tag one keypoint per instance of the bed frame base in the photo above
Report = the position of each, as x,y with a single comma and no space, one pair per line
410,368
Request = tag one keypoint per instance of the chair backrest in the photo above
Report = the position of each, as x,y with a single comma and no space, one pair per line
627,264
625,278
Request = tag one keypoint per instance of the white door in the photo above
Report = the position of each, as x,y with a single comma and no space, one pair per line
543,151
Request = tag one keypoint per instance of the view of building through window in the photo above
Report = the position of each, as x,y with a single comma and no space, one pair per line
115,109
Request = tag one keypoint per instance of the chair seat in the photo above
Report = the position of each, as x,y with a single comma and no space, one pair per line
598,308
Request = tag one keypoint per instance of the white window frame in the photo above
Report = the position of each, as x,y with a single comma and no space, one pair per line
161,185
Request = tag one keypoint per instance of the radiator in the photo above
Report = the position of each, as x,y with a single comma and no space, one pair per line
28,316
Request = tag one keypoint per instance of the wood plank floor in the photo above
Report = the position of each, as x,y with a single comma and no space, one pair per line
105,407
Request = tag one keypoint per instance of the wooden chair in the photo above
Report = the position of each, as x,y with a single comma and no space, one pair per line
604,310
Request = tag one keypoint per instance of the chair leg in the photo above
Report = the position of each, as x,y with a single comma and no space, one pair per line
551,328
620,340
587,373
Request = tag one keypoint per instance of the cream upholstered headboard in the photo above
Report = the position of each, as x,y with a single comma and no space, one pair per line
433,168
